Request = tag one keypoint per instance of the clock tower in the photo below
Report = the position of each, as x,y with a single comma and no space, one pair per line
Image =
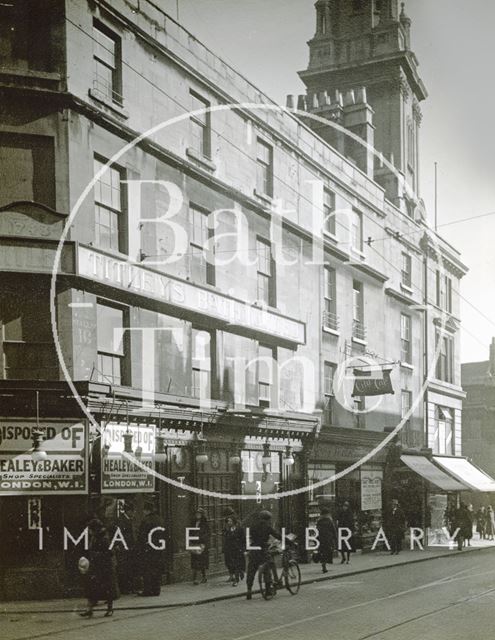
362,48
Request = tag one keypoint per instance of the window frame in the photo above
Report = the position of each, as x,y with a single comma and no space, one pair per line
207,235
265,273
328,393
406,270
265,400
330,319
203,366
329,209
121,357
406,338
264,169
357,216
115,95
120,215
204,126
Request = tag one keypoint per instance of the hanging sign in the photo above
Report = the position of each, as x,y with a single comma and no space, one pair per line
63,469
121,473
365,385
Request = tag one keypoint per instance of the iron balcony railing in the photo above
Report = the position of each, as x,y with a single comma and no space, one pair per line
330,320
358,330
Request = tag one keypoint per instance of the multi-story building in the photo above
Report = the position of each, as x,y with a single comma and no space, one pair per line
478,424
222,276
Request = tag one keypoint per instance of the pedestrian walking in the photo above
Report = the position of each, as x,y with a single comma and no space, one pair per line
259,535
233,547
490,523
200,558
345,520
481,522
327,537
151,557
125,553
468,533
462,523
100,579
395,527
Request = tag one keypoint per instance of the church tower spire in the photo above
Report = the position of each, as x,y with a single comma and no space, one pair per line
366,44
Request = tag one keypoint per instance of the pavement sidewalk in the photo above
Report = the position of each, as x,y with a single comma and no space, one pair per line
186,594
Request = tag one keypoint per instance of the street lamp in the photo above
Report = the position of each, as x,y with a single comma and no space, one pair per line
289,458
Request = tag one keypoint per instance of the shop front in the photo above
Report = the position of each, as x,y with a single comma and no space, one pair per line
362,486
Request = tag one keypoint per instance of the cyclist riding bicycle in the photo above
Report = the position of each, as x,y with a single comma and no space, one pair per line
259,537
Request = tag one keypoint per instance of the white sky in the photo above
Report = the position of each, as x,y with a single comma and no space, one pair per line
453,39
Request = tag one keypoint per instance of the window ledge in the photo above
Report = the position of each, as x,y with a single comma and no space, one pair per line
333,332
406,288
330,236
359,341
359,254
406,365
115,107
203,160
263,196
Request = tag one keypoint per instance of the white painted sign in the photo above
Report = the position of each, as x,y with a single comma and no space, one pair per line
152,284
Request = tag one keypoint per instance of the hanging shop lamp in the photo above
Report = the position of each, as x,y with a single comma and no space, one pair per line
289,458
202,456
235,457
267,456
128,436
160,449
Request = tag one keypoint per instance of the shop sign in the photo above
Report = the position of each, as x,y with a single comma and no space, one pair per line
63,471
371,489
365,385
119,474
152,284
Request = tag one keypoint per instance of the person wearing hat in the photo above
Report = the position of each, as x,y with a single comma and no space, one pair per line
327,536
200,555
126,553
396,525
259,535
98,570
345,520
151,558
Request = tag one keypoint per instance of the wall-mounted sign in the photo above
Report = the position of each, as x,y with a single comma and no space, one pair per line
120,473
63,471
152,284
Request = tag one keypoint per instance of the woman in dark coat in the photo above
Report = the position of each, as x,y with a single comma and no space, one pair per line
101,579
481,522
200,556
346,521
234,543
327,536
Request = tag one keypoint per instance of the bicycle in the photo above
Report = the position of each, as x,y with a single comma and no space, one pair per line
290,576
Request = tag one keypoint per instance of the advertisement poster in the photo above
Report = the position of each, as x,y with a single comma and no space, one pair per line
125,474
371,489
63,470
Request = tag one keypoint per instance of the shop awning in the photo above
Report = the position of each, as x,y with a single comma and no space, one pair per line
422,466
468,473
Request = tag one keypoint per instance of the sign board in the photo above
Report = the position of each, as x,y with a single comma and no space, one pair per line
119,473
370,386
371,489
153,284
64,470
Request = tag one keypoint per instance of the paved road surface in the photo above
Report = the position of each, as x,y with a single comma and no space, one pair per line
451,598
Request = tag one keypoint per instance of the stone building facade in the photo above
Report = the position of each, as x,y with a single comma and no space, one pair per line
225,274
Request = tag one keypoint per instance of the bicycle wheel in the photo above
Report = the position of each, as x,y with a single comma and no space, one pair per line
292,577
265,581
